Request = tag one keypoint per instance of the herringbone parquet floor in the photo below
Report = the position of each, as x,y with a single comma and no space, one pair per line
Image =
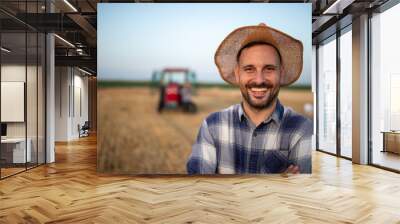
70,191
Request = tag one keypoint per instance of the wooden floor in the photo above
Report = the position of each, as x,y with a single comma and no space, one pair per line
387,159
10,171
70,191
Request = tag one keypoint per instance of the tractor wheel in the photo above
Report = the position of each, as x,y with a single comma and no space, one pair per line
161,101
191,108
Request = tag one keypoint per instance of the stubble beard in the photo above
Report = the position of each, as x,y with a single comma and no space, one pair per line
267,103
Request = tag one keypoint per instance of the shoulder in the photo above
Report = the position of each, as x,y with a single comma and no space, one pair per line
297,122
221,116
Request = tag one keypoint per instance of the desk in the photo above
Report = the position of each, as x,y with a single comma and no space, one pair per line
391,141
16,147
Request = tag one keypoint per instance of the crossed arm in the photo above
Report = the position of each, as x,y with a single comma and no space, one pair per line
300,156
203,159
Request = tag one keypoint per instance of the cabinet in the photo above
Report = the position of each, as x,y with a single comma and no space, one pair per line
391,141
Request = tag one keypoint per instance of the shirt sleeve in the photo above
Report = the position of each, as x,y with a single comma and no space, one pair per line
203,159
300,154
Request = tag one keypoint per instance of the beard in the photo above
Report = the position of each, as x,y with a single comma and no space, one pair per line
261,100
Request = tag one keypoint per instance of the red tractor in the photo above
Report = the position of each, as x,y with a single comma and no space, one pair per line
176,88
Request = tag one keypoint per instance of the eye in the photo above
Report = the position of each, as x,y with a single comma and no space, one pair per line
270,68
249,69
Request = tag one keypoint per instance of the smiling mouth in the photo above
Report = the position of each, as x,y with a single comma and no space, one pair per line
258,92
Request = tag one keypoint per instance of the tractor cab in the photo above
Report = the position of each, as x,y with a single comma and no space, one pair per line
176,88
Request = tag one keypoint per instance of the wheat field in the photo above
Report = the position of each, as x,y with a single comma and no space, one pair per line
133,138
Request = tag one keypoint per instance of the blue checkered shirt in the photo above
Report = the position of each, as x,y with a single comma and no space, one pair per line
229,143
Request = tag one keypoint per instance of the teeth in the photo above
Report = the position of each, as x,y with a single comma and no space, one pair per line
258,89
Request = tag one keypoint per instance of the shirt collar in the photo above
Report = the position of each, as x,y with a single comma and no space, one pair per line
276,115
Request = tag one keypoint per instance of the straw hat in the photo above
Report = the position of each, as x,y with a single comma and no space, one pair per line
290,49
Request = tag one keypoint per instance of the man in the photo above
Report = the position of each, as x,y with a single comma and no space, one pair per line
260,135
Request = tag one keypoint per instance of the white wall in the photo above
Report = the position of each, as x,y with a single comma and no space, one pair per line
12,73
33,126
62,81
70,84
80,94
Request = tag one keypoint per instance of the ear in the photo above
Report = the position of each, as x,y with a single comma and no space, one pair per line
236,71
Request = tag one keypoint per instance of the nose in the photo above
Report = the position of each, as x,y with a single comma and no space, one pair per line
259,78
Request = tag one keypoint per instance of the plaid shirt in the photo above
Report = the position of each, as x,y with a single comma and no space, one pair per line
229,143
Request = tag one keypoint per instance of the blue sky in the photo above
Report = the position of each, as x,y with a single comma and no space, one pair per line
136,39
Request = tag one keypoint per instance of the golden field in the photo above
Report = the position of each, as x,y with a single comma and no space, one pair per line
133,138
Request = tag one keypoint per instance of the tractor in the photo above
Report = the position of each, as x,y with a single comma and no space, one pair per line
176,86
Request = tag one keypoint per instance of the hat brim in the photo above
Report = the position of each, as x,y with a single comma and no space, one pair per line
290,49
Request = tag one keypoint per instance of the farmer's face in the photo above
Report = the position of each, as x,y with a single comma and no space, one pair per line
258,74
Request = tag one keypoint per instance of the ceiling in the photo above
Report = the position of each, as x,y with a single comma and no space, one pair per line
75,21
